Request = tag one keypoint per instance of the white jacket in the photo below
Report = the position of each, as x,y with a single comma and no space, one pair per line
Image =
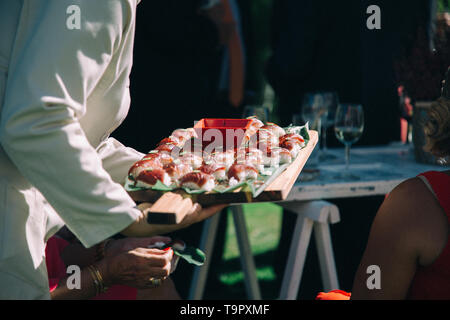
62,92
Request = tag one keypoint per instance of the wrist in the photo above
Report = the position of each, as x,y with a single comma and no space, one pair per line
103,274
141,227
101,249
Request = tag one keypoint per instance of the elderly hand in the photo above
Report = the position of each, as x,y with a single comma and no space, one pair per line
119,246
136,267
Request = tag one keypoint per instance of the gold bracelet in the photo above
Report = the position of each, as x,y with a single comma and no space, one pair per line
101,282
94,278
100,279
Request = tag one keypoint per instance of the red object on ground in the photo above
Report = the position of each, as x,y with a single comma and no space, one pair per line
334,295
56,270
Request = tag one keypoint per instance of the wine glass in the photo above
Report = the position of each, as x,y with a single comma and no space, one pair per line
348,127
331,102
310,170
259,111
313,110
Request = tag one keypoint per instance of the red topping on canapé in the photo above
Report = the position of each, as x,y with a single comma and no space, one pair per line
292,136
173,169
167,147
184,134
237,168
152,155
211,168
289,144
144,163
151,176
171,139
272,152
284,151
270,126
197,177
255,122
160,156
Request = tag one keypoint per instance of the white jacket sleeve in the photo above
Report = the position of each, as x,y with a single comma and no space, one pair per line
53,71
117,159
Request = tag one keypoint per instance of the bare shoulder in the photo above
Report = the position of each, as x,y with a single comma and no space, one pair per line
409,230
411,197
413,186
415,211
407,199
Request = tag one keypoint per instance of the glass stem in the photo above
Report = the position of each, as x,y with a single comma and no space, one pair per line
347,157
319,130
324,138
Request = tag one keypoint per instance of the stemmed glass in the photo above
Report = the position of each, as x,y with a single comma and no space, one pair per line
313,110
348,127
331,101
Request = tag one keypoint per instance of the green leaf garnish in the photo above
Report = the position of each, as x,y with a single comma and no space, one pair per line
191,255
159,186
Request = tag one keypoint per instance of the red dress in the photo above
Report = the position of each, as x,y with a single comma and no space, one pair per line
433,282
56,270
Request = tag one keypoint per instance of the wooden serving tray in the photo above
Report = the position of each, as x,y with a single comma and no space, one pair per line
171,207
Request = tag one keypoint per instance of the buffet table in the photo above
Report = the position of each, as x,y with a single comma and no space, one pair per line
380,169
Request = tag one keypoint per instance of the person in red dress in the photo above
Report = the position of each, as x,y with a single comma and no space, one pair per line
409,241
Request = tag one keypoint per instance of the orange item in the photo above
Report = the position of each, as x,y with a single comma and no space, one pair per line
433,282
403,130
334,295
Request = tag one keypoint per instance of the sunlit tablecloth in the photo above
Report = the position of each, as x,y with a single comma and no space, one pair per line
380,169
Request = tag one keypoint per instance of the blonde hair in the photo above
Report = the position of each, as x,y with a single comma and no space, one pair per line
437,128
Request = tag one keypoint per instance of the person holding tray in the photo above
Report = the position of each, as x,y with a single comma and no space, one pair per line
64,88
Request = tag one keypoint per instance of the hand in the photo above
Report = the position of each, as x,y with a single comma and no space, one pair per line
142,228
136,267
117,247
196,214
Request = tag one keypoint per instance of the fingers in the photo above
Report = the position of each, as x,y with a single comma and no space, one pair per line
158,262
198,213
144,205
157,239
157,253
209,211
196,208
158,273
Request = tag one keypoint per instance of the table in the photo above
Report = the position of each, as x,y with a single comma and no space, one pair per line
380,169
